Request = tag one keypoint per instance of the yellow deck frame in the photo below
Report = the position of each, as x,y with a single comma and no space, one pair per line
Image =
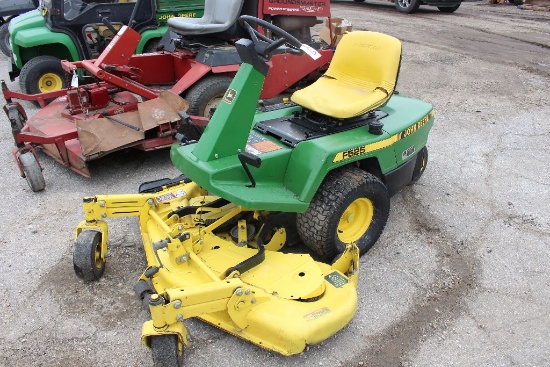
284,303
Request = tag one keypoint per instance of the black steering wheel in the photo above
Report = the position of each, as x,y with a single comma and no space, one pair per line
266,45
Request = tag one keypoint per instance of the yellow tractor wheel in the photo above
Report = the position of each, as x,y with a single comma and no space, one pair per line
351,205
88,259
42,74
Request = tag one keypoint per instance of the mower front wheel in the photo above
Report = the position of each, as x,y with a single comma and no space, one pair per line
351,205
205,96
32,171
42,74
88,260
167,351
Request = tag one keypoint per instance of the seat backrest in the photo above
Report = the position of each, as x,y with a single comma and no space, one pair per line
367,60
222,11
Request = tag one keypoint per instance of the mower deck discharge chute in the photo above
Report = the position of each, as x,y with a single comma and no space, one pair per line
258,180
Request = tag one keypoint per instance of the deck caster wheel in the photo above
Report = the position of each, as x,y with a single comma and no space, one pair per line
167,351
351,205
88,262
32,171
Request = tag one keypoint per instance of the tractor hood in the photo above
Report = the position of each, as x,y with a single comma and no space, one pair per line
31,19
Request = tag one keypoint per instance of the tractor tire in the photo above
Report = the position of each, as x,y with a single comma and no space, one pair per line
87,262
420,165
5,40
407,6
448,9
42,74
205,96
351,205
167,351
33,172
151,46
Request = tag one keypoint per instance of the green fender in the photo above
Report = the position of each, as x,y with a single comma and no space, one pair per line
34,37
149,35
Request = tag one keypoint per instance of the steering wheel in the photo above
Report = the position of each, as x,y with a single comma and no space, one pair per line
260,40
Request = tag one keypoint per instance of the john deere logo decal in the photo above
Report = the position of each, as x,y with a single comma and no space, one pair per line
229,96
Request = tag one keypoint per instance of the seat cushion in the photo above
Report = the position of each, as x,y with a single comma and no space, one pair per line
361,76
334,98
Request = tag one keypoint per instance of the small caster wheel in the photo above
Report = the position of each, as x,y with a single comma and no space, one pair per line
33,172
88,262
167,351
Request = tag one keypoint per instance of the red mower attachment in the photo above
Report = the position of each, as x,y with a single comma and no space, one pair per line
143,101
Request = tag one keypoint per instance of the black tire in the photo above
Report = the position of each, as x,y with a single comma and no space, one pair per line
206,94
420,165
448,9
5,40
407,6
151,45
33,172
351,192
359,1
42,74
87,261
167,351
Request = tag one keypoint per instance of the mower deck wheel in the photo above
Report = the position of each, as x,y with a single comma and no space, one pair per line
205,96
88,262
167,351
33,172
351,205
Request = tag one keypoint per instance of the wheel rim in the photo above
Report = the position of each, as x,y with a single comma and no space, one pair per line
50,82
211,106
404,3
355,220
97,255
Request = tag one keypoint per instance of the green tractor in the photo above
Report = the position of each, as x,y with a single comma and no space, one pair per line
320,168
76,30
334,154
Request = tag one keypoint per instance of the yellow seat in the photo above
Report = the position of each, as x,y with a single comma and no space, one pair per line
361,76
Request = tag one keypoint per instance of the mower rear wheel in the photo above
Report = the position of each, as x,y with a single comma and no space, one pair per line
205,96
42,74
88,261
5,40
420,165
167,351
33,172
351,205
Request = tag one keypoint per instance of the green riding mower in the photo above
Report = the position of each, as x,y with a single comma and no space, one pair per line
317,169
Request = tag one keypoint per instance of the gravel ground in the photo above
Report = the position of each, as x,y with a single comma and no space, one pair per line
459,276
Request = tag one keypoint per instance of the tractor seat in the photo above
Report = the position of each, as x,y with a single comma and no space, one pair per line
361,77
219,16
